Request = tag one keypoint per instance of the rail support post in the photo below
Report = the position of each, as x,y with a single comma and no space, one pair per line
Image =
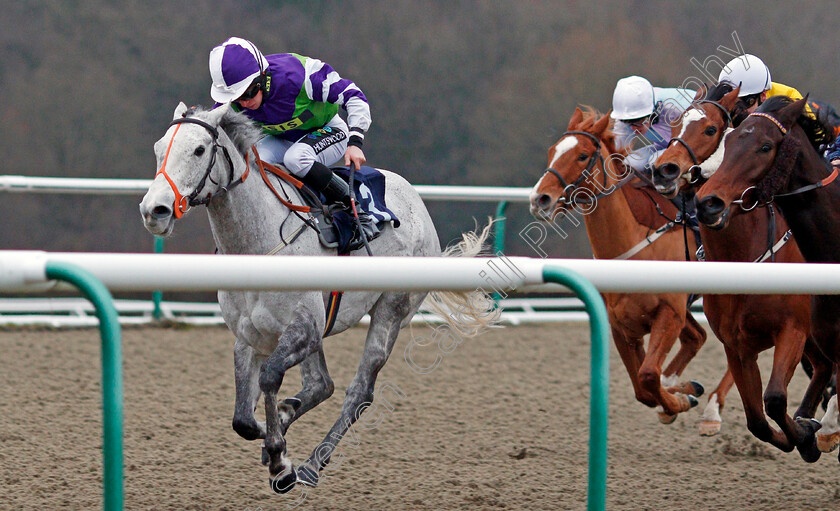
112,396
599,379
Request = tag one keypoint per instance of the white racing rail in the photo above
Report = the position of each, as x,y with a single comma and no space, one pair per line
104,186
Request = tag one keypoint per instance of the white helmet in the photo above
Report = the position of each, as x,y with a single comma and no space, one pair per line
234,65
632,98
749,71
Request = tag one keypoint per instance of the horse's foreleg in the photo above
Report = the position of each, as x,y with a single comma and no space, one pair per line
790,343
317,386
663,334
299,340
246,374
628,350
386,316
748,380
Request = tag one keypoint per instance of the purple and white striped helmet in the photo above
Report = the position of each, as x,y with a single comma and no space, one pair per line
233,66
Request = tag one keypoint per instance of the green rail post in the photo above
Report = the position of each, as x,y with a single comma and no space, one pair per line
157,296
499,236
112,397
499,226
599,382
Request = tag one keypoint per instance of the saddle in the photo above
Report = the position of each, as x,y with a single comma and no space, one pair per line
337,228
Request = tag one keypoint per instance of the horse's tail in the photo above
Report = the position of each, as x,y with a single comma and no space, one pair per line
467,313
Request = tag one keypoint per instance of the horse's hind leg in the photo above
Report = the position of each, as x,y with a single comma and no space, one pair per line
317,386
386,316
692,337
246,374
711,421
300,339
821,371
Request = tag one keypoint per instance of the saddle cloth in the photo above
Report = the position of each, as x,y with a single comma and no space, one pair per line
369,186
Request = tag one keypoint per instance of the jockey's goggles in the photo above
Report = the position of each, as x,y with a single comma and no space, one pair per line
251,91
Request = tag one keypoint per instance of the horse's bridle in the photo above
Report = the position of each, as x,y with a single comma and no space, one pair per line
569,189
819,184
183,203
692,175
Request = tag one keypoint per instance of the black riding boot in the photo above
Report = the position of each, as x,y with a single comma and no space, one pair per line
336,193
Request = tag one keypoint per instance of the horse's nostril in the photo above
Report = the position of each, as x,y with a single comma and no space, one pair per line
161,212
543,201
669,171
711,205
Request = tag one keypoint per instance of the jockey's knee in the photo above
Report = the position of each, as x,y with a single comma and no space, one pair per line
299,159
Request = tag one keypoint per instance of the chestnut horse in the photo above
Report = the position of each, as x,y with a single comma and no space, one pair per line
771,158
582,153
746,324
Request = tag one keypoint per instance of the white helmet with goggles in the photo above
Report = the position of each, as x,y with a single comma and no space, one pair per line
234,65
632,98
749,71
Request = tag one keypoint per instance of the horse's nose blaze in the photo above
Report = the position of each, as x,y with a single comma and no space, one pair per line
710,208
161,212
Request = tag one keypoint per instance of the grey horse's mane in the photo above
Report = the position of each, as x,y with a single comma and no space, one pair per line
242,130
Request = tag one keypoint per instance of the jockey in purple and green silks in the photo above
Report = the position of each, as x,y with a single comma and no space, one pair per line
296,100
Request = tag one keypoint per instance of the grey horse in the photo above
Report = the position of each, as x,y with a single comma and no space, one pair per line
205,158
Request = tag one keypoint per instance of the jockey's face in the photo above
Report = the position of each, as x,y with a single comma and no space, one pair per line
640,126
253,103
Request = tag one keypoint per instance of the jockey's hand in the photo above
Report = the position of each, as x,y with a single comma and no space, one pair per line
354,156
835,163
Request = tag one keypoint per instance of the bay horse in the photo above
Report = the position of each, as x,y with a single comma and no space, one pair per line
584,151
206,154
772,158
745,324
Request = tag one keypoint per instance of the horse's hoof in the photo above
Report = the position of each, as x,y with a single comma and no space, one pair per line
283,484
827,443
293,402
698,388
692,401
709,428
666,418
307,475
808,424
809,453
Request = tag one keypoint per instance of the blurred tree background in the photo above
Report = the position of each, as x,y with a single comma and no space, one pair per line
462,93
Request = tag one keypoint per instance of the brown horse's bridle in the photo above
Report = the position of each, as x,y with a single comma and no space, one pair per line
692,175
819,184
569,188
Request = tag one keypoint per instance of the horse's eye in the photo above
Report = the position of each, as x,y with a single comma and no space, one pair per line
199,150
583,157
765,148
711,130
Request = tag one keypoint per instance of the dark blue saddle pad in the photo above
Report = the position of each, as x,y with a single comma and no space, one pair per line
369,186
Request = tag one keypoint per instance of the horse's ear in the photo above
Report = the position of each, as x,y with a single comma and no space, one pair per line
179,111
601,125
701,93
576,118
789,114
217,114
730,99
